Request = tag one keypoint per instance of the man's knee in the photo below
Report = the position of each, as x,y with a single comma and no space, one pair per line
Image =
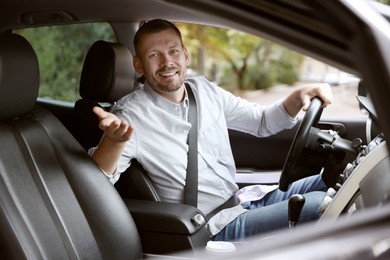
312,205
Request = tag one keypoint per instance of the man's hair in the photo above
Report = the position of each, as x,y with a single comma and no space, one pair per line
153,26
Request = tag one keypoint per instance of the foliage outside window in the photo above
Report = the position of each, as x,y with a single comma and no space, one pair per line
239,61
61,51
235,60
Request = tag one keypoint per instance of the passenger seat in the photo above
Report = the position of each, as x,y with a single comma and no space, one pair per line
55,203
108,74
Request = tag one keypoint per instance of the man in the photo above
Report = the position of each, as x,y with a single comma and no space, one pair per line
150,125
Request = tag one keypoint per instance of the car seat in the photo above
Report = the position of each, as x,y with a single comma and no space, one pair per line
55,203
163,227
107,75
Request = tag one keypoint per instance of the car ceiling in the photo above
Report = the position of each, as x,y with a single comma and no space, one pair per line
48,11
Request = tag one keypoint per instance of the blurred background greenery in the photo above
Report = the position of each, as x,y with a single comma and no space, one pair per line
239,61
234,60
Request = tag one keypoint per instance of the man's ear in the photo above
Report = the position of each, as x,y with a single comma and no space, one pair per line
187,55
138,65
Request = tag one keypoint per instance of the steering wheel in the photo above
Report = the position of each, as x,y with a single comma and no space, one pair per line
310,119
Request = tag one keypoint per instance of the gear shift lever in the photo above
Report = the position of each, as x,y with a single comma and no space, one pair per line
295,205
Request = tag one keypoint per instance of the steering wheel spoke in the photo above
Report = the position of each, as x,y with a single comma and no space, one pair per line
311,118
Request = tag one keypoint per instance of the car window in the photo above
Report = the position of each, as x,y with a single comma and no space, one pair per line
61,51
262,71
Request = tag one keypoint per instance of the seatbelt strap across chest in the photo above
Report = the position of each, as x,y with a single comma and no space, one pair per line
191,186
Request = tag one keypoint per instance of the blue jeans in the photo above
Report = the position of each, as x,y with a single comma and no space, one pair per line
270,213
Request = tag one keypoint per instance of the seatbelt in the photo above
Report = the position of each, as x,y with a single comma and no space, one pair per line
191,186
233,201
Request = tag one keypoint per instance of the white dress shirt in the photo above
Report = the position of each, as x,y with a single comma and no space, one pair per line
159,143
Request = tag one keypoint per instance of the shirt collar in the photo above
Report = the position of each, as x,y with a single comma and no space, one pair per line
164,103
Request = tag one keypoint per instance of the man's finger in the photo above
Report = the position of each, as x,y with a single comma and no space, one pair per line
124,131
306,103
99,112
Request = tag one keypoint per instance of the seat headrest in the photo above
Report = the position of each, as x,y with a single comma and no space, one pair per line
108,72
19,76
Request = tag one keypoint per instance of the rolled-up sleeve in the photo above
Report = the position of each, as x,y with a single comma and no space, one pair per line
256,119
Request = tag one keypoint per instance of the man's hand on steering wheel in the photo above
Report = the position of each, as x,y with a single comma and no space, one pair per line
302,96
312,99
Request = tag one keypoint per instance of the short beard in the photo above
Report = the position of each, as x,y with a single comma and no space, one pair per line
163,88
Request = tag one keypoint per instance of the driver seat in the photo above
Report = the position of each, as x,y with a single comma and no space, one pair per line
55,203
107,75
164,227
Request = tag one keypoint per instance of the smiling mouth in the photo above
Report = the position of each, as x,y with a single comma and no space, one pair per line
167,74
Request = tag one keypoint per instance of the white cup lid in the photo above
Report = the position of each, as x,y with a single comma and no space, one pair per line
220,247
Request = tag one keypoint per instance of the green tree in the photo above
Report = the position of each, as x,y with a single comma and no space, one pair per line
61,51
243,61
236,60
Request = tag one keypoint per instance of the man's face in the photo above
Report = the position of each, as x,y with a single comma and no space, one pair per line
163,60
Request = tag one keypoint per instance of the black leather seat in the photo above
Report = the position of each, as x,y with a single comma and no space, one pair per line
107,75
54,201
163,227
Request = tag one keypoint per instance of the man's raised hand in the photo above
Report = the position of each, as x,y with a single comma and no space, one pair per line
114,128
